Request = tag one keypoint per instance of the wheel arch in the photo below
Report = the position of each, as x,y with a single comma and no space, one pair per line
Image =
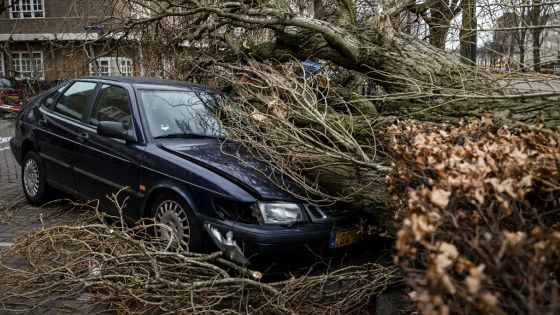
26,146
160,189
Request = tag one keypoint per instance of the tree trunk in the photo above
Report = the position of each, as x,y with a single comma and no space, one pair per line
398,62
467,34
537,49
536,57
440,19
522,55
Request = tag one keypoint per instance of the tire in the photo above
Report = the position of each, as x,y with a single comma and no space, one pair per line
173,211
33,180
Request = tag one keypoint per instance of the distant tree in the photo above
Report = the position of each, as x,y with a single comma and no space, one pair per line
438,15
538,14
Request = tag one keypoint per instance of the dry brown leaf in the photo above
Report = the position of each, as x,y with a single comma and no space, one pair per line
440,197
474,279
488,299
447,284
448,249
514,237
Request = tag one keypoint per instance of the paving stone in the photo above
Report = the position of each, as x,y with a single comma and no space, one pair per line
24,218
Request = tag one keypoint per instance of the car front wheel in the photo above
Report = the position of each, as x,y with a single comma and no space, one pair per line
33,179
175,223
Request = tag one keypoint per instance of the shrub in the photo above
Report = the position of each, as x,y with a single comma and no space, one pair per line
480,211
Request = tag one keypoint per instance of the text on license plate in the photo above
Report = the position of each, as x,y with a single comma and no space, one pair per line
13,97
343,238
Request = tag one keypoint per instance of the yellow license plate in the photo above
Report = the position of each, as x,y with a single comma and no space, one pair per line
343,238
13,97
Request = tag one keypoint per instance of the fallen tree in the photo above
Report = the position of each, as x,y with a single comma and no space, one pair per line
319,129
330,143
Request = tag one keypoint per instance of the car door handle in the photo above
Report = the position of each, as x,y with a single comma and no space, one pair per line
83,137
42,121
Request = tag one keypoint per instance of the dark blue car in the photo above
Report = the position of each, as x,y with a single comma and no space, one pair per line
92,136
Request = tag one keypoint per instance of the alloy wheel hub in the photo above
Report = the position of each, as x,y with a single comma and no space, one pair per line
171,214
31,177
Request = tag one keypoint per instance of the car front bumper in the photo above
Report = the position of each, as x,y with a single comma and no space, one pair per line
265,244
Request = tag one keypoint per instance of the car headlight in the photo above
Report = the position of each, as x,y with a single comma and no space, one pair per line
278,212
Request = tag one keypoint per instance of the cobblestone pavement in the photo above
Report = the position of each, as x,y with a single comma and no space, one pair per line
17,218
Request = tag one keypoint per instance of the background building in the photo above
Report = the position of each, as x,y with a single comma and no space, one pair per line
56,39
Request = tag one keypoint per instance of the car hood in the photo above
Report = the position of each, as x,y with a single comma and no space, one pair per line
234,162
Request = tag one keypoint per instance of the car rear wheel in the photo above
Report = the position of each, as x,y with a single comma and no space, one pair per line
176,223
33,179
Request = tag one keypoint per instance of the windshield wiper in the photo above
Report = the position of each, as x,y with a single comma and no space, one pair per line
187,135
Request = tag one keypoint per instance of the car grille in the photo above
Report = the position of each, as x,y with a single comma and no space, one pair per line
315,212
321,213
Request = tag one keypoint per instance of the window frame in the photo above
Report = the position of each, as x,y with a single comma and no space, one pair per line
2,64
19,5
97,61
127,65
64,86
114,66
40,75
91,106
136,126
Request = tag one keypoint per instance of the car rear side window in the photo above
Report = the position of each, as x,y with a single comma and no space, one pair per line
112,104
74,101
54,96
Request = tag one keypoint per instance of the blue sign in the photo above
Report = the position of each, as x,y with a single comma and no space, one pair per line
94,26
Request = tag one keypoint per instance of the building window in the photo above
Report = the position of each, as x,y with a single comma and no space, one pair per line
2,64
22,9
103,66
111,66
28,65
125,67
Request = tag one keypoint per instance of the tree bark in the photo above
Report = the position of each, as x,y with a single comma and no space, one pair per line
467,33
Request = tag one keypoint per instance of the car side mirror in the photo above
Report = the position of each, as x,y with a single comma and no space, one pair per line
114,129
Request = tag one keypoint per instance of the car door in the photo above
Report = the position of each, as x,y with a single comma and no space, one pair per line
106,165
57,131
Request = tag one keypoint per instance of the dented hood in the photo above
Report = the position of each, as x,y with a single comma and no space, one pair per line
232,161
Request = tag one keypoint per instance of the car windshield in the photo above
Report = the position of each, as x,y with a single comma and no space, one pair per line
182,113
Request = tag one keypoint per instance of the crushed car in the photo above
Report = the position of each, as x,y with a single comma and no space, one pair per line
161,140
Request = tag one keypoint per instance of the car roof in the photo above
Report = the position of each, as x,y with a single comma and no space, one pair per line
146,81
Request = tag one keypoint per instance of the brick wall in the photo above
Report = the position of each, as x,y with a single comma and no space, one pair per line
61,16
61,58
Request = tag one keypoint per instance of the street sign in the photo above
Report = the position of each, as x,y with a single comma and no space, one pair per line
94,26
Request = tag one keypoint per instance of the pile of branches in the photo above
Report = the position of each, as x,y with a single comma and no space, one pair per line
131,272
480,210
9,208
310,132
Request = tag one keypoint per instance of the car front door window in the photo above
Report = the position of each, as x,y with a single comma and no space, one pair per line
112,104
